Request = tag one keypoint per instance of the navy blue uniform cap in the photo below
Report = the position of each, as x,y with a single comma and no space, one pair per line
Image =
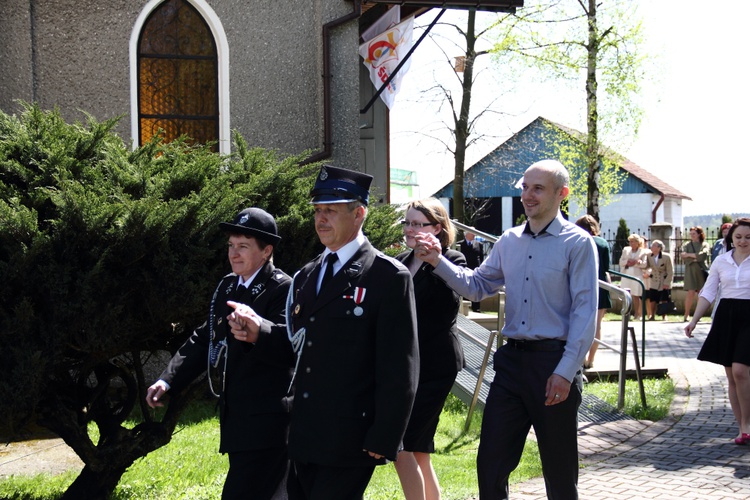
254,222
339,185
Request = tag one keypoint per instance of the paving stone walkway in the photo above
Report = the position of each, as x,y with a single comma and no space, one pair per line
689,455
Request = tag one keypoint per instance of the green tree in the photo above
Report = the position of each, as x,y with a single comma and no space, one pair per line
108,255
596,44
621,240
461,124
462,35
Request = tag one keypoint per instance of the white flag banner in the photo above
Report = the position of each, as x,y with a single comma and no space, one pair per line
383,53
387,21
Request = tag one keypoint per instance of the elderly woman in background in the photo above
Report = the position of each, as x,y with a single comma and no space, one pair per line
660,283
440,354
633,261
695,255
728,341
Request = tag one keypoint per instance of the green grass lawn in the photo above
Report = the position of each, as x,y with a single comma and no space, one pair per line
190,468
454,459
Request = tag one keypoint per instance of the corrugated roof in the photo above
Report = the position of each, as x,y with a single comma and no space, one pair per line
643,175
629,166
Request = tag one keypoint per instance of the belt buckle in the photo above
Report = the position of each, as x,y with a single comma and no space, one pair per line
518,344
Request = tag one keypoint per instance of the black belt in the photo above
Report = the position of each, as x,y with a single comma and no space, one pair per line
547,345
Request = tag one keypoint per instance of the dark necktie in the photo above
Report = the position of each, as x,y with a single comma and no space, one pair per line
328,274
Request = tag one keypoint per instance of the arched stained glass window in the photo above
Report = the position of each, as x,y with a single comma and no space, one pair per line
177,75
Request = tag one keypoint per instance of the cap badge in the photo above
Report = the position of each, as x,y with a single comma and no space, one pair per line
323,174
244,218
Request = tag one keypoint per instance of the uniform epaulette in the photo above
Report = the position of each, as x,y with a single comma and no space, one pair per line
398,265
280,276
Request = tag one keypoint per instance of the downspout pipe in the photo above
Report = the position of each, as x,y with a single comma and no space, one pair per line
34,53
653,212
327,140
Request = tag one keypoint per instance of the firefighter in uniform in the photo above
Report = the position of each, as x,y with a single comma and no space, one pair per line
251,378
351,320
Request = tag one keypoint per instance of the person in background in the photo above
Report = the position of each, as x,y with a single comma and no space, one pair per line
695,255
474,253
645,277
352,321
254,377
440,354
660,284
549,269
633,263
590,225
728,341
720,247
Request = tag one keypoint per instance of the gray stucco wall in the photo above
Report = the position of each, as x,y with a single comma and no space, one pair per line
82,57
345,63
275,58
15,54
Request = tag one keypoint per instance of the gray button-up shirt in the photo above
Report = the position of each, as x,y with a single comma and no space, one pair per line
550,282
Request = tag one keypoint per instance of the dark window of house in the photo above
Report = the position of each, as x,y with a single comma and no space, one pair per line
177,75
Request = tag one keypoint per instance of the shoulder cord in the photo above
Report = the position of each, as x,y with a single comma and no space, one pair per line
215,349
297,338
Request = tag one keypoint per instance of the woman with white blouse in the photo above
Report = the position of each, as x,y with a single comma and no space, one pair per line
728,341
633,263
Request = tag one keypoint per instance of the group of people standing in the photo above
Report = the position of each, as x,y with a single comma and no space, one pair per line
317,373
652,273
366,346
347,365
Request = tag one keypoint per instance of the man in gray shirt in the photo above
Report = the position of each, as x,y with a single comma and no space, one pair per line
549,269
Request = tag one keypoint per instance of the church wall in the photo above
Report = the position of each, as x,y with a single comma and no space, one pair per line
275,66
15,54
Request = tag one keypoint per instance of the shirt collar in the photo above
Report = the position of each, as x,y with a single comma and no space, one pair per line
554,227
347,251
247,283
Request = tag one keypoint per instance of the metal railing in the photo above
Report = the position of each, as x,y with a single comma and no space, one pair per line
488,351
643,311
463,227
627,304
489,346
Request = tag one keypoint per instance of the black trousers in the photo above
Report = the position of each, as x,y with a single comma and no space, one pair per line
321,482
515,403
255,475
